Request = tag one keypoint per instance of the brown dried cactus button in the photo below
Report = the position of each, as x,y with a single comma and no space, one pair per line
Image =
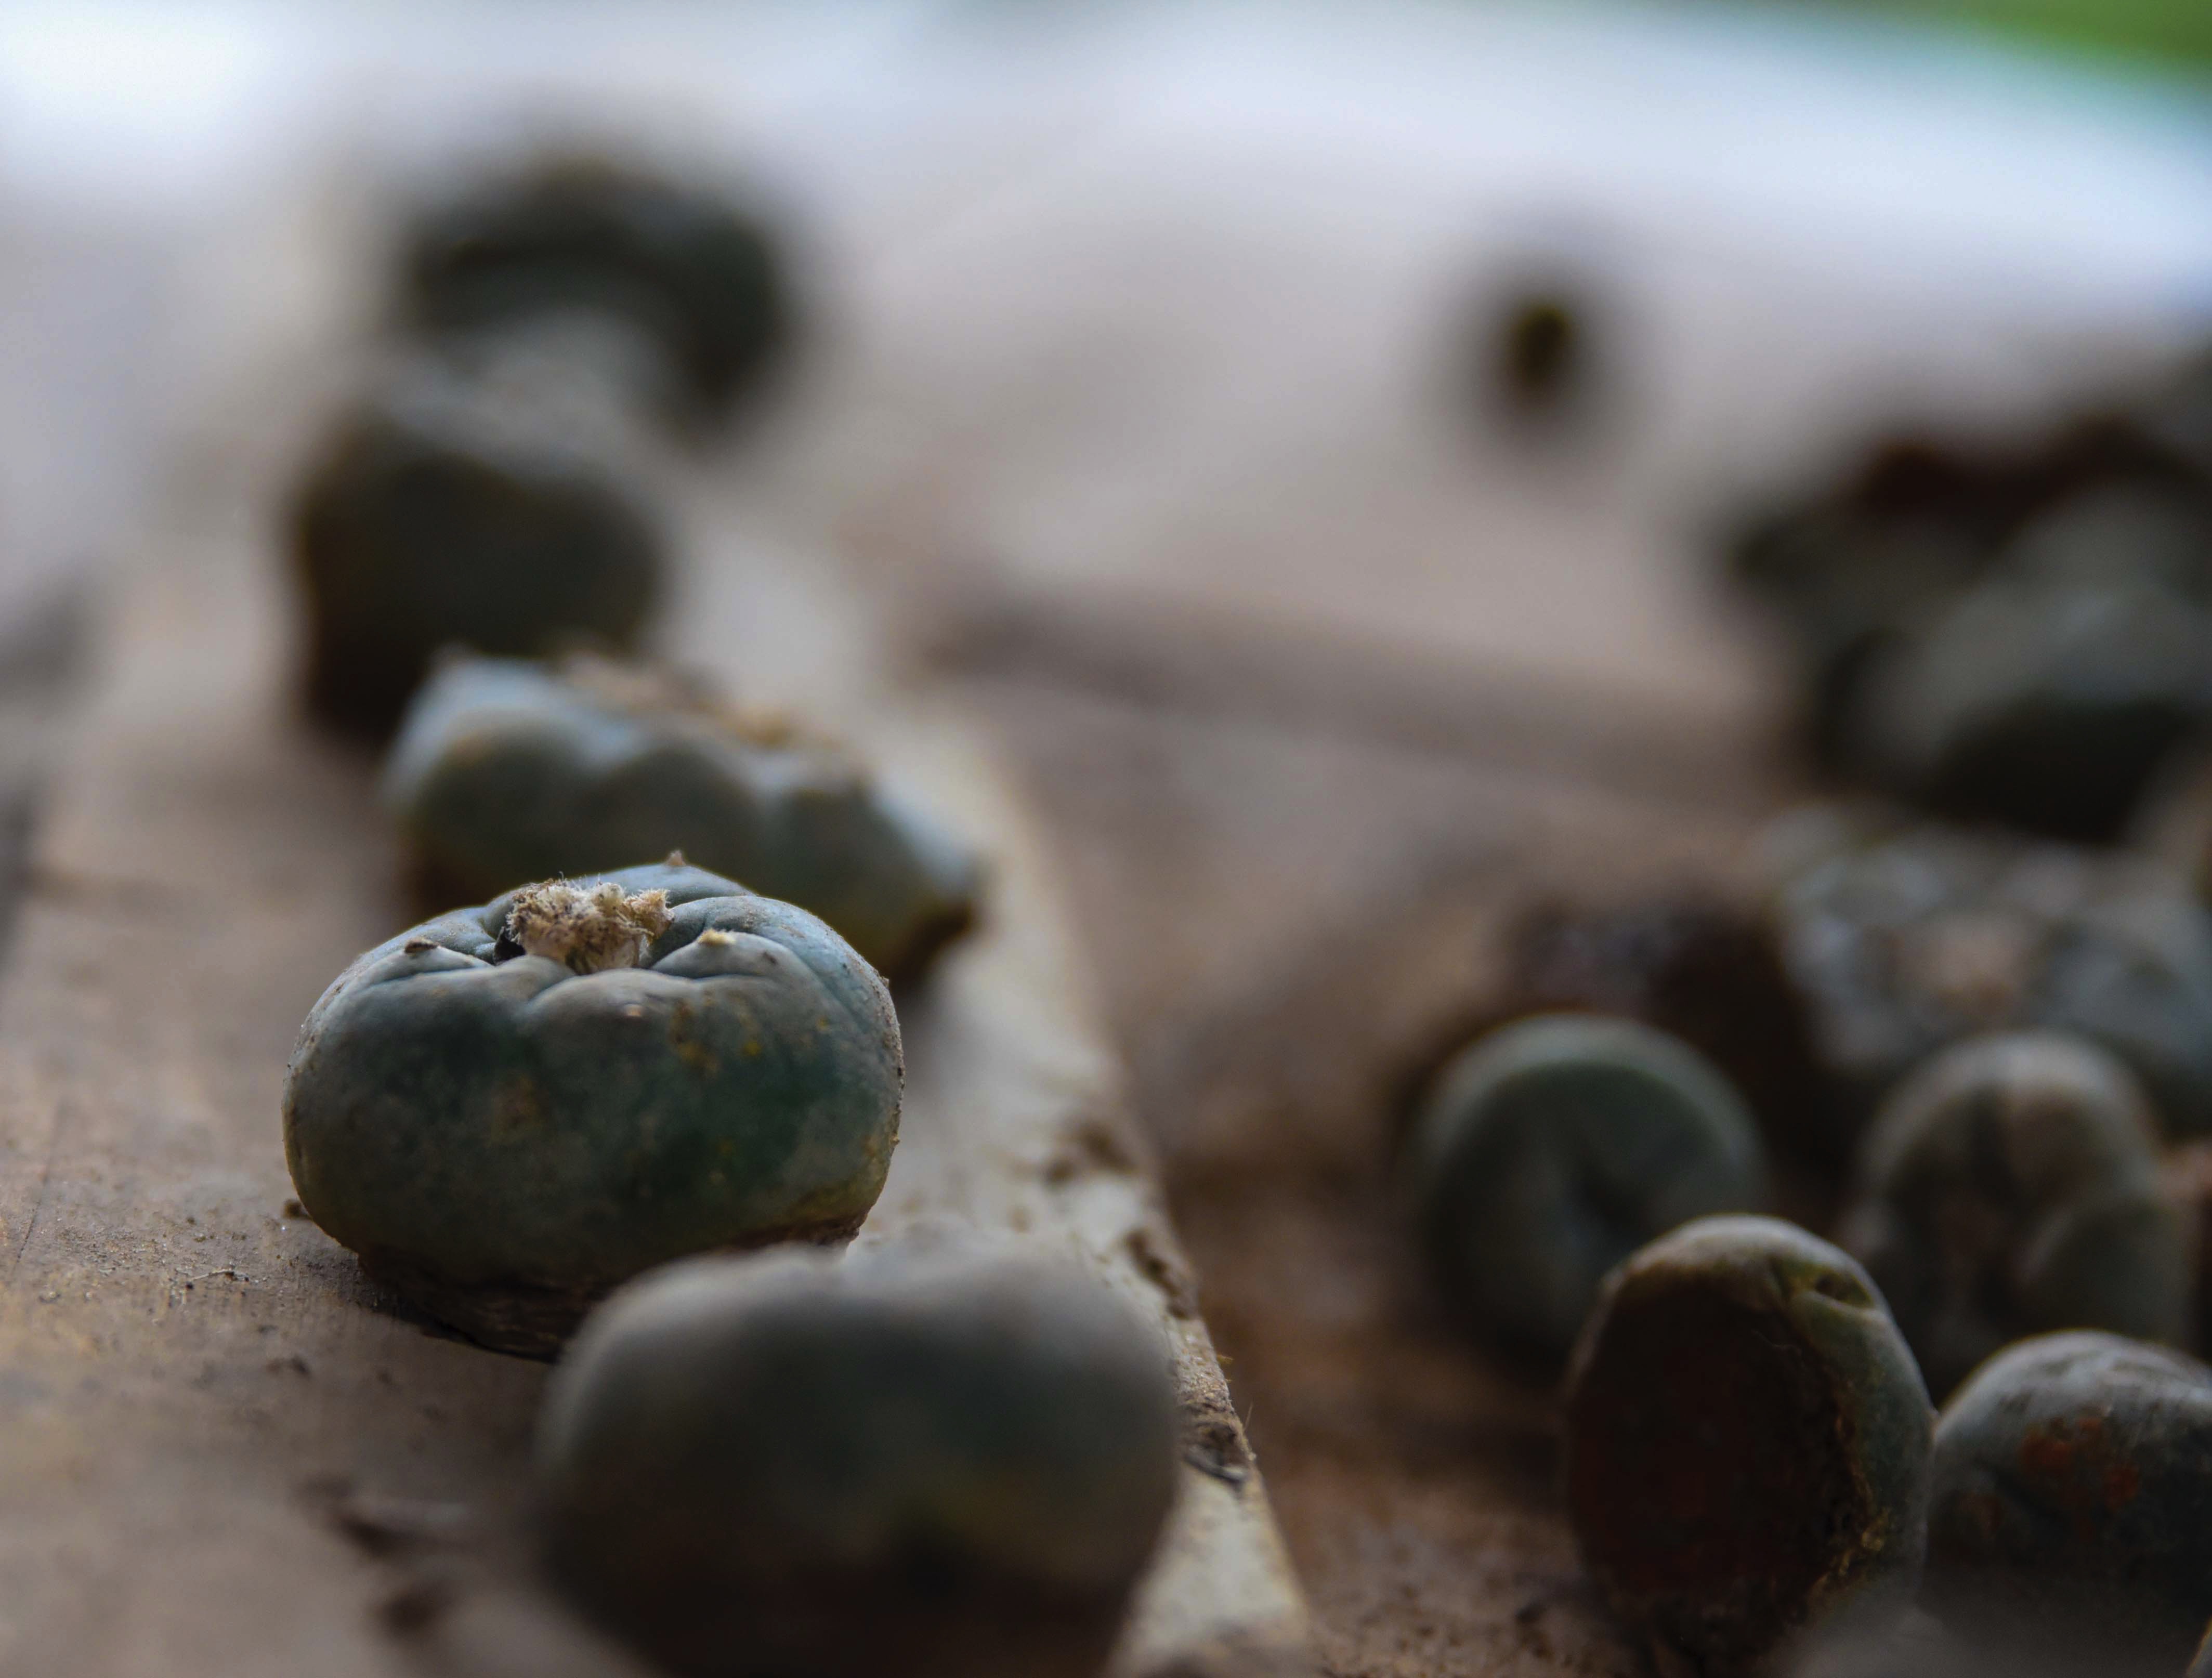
1747,1446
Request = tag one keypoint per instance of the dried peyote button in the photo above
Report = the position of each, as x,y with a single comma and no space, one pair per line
1905,940
507,511
678,257
2071,1479
1552,1148
2010,1186
1747,1446
948,1463
506,769
511,1109
1689,965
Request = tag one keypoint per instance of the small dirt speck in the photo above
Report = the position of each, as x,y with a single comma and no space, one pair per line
1158,1267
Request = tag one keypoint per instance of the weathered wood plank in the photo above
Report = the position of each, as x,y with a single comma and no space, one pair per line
1289,895
222,1451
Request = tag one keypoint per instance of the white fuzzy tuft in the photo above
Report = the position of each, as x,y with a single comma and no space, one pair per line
587,929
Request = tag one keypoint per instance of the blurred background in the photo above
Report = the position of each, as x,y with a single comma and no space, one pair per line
1309,436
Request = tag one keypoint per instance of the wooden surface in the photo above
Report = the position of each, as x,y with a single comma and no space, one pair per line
222,1451
1295,864
1314,677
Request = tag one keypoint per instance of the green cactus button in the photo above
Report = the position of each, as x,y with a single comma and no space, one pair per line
677,258
511,1109
2010,1186
1552,1148
445,508
2072,1475
506,770
949,1463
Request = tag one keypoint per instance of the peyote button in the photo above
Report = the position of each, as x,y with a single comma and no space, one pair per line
448,507
2011,1187
507,770
2072,1477
1905,942
680,258
948,1464
1552,1148
512,1110
1747,1445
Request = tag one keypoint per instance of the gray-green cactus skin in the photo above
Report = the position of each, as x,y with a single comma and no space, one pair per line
948,1464
1905,939
504,770
1550,1150
679,259
1845,581
1747,1446
2049,695
442,512
2048,705
2072,1476
503,1140
2011,1187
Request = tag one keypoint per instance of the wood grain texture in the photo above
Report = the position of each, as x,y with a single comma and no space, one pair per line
221,1450
1291,883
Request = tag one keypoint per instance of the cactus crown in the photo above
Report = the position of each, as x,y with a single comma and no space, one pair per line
588,929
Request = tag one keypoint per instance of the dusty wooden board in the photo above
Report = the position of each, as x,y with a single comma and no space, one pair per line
1091,343
1295,863
222,1452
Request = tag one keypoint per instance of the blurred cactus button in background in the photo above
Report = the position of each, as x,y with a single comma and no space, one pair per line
1552,1148
931,1459
449,509
2050,694
685,262
1689,962
513,1108
506,769
1904,938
